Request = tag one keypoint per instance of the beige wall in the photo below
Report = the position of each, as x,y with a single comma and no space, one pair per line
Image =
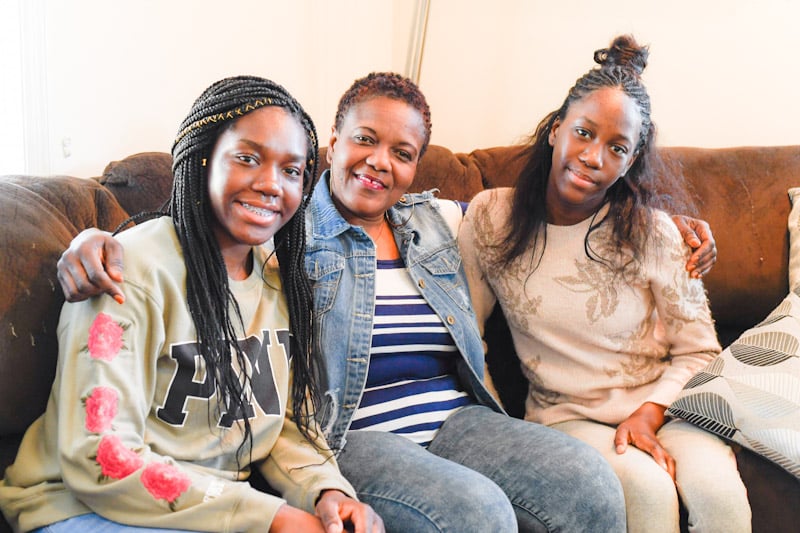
721,72
98,80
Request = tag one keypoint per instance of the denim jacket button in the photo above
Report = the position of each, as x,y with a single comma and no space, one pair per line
451,319
421,283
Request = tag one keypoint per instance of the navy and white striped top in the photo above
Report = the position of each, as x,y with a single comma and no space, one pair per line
412,386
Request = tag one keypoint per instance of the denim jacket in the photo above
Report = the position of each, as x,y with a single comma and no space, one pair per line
341,262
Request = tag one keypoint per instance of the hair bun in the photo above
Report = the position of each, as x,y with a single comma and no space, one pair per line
623,52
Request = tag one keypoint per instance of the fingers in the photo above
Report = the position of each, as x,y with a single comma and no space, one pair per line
113,254
664,460
702,260
336,508
649,445
690,237
621,439
91,265
697,234
331,522
329,510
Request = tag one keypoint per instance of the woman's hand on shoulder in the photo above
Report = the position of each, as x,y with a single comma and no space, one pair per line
334,508
91,265
697,234
640,430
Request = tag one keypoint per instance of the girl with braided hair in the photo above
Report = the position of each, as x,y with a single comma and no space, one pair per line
604,318
162,406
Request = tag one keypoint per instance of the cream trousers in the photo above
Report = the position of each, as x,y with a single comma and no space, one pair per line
708,480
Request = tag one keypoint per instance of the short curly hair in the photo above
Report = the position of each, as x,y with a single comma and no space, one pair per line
390,85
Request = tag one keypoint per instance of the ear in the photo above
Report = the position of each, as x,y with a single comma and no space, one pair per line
551,137
331,143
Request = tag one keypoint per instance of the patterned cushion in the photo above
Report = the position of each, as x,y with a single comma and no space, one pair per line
750,393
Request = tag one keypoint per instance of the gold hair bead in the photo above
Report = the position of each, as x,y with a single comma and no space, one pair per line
204,161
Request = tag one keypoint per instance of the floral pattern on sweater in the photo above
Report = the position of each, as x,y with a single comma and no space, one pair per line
163,481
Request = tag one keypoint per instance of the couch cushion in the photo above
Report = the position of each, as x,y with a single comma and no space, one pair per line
750,393
38,219
141,182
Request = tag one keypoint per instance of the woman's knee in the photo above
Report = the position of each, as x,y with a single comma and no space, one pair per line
469,506
415,490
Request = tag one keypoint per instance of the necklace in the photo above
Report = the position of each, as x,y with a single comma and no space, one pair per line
380,232
377,238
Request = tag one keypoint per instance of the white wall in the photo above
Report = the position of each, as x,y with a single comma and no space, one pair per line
116,77
721,72
121,75
12,154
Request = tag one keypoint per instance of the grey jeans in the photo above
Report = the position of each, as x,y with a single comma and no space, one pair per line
485,472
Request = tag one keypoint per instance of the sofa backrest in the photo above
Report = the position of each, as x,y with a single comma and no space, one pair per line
39,216
741,192
38,219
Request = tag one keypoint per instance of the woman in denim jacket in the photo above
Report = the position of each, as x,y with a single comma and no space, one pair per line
415,430
433,450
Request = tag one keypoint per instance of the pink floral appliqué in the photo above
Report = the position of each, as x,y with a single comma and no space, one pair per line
101,408
115,459
165,482
105,338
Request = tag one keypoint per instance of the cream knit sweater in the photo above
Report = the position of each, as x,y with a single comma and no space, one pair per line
591,345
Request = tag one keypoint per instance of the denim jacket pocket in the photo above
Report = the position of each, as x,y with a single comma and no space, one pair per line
324,268
445,270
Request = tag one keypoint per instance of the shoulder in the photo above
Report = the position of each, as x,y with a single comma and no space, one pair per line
151,245
489,210
665,243
496,200
486,222
427,202
665,228
153,231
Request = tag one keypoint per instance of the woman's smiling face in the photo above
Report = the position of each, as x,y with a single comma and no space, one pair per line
373,157
593,146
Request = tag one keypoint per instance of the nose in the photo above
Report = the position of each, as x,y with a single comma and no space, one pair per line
379,158
269,181
592,155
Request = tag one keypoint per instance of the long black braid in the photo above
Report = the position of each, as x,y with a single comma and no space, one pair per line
208,293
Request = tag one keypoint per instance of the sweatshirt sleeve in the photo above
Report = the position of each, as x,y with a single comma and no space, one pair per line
683,311
300,471
104,393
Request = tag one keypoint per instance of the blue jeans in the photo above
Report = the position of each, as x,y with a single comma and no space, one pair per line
485,472
97,524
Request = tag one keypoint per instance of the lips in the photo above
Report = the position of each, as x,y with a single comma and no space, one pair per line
370,182
260,211
579,176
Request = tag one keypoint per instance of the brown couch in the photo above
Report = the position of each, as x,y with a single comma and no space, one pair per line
741,192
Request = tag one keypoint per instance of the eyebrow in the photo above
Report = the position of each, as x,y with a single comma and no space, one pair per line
258,146
402,143
594,124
